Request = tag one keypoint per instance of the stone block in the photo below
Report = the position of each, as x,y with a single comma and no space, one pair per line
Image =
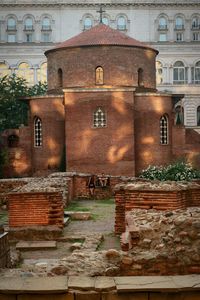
36,245
104,283
87,296
125,296
175,296
7,297
67,296
40,285
81,283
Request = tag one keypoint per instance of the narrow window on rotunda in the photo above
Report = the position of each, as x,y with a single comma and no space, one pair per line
60,78
198,116
13,141
37,132
140,77
164,130
99,118
99,75
179,115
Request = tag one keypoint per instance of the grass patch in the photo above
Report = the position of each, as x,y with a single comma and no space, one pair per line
75,206
106,202
95,217
3,217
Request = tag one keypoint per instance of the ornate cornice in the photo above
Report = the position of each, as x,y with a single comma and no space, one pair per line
93,3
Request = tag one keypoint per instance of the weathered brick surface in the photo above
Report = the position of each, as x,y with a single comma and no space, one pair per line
29,209
113,59
127,199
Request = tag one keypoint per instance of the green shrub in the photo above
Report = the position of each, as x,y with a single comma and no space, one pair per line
177,171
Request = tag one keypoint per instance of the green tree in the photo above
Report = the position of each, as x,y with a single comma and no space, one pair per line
3,159
13,112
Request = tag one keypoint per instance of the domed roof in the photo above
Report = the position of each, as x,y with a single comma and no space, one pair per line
101,35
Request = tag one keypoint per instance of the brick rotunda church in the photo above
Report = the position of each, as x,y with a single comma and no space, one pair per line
102,111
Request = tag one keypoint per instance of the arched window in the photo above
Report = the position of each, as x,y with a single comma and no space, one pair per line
99,75
60,78
162,23
198,116
159,72
121,23
13,141
179,115
195,23
11,25
196,73
28,24
99,118
164,130
87,23
46,24
4,70
140,77
37,132
105,20
179,24
42,73
11,30
26,72
179,73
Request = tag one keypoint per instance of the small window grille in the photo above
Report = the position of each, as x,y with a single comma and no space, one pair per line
164,130
38,132
99,118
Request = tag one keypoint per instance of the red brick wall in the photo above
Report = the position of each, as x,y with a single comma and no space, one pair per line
51,111
79,64
29,209
96,150
126,200
19,157
148,110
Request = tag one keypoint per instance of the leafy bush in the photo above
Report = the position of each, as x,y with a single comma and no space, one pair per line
177,171
13,112
3,159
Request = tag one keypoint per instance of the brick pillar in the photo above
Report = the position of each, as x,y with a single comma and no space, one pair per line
120,201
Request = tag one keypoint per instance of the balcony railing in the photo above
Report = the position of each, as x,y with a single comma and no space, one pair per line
162,27
11,28
46,27
179,27
121,27
28,28
195,27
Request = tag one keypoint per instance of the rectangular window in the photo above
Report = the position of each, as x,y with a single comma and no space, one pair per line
195,36
11,38
179,37
45,37
29,38
162,37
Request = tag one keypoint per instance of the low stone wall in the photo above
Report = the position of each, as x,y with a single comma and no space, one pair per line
4,251
35,208
161,243
7,185
81,190
148,195
101,288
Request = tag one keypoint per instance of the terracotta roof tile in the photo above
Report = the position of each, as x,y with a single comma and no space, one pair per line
101,35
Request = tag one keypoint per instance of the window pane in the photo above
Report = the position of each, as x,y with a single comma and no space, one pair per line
181,74
105,21
175,74
87,23
121,23
11,38
162,37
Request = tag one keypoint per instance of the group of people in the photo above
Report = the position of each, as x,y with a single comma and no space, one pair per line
102,180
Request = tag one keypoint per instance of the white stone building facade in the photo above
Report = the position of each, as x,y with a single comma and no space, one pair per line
28,28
